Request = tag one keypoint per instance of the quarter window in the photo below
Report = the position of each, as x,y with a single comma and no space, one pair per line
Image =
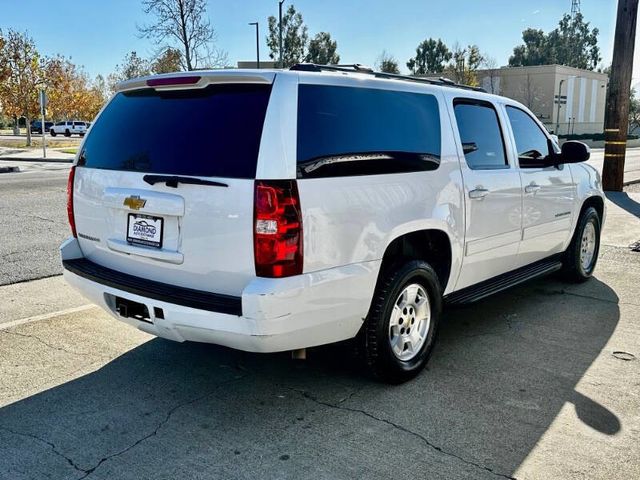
531,142
480,135
347,131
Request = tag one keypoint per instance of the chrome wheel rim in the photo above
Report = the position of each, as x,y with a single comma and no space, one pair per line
588,246
409,322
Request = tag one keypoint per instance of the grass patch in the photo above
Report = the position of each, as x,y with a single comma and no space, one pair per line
72,151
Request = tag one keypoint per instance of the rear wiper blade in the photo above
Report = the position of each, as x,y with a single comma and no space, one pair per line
173,181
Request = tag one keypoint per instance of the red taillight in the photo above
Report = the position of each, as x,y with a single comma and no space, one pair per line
72,222
277,229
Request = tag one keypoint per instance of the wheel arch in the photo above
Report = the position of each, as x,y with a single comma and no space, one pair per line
432,245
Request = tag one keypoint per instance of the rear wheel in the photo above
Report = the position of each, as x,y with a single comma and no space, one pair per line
401,327
52,132
67,133
582,255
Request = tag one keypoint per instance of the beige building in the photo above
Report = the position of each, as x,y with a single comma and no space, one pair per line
581,94
253,64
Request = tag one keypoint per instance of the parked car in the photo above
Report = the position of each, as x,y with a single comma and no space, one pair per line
304,207
69,128
36,126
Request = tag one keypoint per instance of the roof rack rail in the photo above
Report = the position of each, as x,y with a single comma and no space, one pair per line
358,68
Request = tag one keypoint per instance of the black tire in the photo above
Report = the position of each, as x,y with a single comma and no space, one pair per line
81,135
573,268
381,359
52,133
67,133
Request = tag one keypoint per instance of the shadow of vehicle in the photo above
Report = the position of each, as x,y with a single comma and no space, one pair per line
502,371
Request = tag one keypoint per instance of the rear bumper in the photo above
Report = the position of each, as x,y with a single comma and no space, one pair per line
273,315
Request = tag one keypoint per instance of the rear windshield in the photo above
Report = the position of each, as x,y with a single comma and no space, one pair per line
213,131
345,131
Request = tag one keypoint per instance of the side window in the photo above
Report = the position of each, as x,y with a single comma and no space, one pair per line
348,131
480,135
531,142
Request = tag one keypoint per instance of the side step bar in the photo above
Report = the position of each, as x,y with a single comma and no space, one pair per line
506,280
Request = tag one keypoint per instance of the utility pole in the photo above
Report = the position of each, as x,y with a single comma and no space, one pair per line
616,120
280,27
257,25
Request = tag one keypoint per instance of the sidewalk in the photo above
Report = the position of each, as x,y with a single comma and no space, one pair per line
34,155
622,223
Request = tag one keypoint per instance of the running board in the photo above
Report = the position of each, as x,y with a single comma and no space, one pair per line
506,280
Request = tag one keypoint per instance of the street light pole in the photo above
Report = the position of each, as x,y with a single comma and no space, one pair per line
280,28
257,25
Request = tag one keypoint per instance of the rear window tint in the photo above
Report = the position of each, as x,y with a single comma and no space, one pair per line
213,131
363,131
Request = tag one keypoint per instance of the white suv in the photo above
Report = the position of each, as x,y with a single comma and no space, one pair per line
304,207
68,128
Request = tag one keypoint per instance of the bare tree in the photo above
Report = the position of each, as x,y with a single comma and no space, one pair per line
491,66
465,63
184,23
529,93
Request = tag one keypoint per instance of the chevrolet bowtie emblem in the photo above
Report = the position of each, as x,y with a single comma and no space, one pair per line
134,202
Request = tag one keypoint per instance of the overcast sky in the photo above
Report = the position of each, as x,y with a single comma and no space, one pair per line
97,34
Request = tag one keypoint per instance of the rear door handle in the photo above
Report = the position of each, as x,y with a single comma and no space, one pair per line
478,193
532,188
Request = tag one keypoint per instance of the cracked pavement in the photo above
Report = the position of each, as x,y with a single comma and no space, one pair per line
522,385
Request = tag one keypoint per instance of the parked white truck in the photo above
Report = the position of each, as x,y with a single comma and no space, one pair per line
303,207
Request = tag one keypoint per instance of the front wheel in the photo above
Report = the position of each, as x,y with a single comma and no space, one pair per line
582,255
401,327
52,133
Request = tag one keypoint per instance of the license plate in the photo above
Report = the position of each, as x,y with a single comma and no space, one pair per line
144,230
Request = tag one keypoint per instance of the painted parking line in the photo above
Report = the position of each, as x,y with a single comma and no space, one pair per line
46,316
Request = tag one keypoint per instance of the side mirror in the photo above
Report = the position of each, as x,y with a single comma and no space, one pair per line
574,152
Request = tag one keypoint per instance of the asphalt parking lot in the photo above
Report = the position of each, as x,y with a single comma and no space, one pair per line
538,382
535,383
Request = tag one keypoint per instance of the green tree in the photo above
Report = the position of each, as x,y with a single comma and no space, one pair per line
465,64
170,60
23,68
431,56
387,63
572,43
133,66
294,38
322,50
